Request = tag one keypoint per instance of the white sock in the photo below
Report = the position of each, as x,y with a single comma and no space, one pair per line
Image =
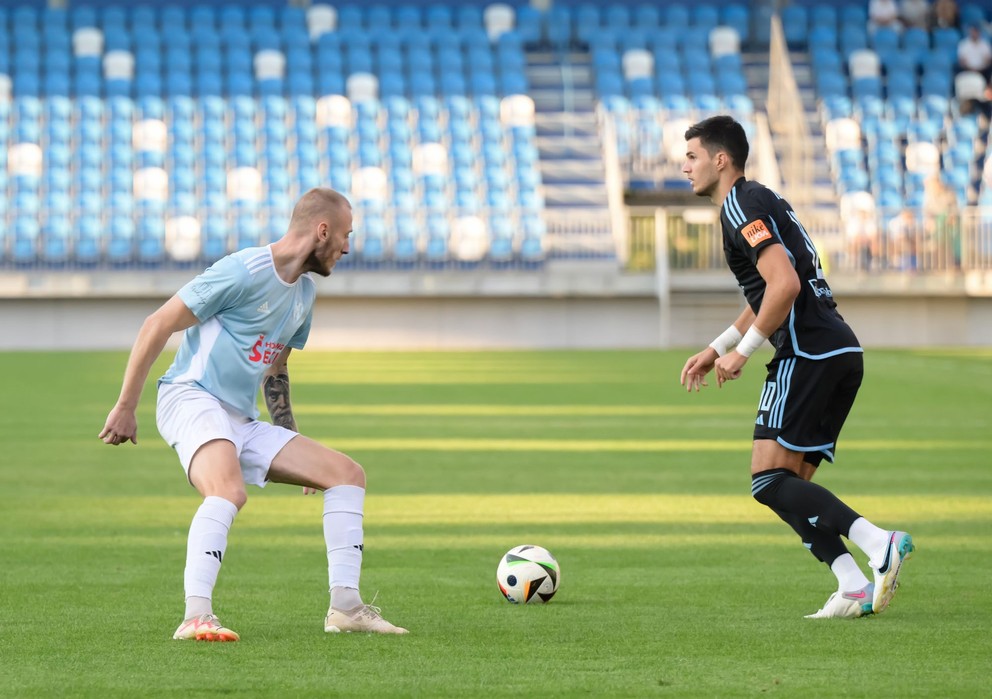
343,508
198,606
849,575
345,598
205,549
870,539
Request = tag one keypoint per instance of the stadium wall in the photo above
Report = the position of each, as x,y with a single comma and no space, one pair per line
577,307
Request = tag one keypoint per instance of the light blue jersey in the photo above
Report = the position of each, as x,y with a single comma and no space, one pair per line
248,316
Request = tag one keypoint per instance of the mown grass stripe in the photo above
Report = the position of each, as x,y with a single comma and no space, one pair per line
610,445
514,410
293,510
635,445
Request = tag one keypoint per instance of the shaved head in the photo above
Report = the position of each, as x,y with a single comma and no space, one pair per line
319,204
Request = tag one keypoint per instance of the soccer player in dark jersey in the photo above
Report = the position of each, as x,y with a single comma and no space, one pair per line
812,379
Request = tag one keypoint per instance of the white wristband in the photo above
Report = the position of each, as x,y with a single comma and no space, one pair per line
726,341
753,339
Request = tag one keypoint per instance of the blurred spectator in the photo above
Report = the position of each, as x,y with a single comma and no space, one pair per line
975,52
945,15
900,244
862,238
983,105
940,214
915,13
883,13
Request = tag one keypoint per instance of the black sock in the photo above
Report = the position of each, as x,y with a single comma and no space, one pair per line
825,547
816,514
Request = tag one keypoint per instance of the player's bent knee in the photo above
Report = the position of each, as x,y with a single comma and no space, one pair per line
765,485
349,472
233,493
238,498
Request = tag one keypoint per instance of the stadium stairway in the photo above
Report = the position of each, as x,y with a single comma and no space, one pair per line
824,193
756,72
570,149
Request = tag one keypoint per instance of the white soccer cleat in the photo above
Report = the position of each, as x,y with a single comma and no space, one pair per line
364,619
900,548
846,605
205,627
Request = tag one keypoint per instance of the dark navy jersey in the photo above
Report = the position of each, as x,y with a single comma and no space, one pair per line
755,217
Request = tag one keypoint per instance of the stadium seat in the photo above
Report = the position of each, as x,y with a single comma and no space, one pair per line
795,22
87,241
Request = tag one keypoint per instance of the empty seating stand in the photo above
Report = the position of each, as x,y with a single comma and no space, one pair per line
158,135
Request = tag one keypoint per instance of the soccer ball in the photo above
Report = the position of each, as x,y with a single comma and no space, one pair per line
528,574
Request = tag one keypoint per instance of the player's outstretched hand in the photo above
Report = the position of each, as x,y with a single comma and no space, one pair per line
696,368
307,490
121,426
728,367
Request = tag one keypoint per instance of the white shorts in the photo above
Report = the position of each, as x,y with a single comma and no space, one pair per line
188,417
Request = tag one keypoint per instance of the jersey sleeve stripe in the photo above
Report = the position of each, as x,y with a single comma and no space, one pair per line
737,207
259,261
728,208
778,236
809,244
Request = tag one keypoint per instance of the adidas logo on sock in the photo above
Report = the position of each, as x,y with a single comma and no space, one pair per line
360,547
219,555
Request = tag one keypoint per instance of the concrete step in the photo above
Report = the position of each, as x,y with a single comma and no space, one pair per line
581,124
544,76
573,171
558,100
555,58
568,147
575,194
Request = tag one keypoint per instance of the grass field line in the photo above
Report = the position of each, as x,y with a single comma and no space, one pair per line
294,510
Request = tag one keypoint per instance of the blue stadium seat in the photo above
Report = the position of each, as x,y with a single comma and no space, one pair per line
532,243
936,84
87,242
54,245
825,60
558,27
151,241
406,245
822,38
972,14
945,40
704,16
24,241
214,235
586,22
501,234
866,87
738,16
676,15
852,38
823,16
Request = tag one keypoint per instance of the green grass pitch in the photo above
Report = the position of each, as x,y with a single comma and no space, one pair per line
674,581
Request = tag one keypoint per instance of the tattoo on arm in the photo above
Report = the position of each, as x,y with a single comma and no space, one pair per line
276,390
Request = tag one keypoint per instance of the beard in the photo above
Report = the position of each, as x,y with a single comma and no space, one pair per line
313,264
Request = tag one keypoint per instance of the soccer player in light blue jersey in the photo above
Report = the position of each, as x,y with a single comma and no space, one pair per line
241,319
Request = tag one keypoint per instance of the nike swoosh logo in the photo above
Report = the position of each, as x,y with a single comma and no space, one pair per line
856,595
884,568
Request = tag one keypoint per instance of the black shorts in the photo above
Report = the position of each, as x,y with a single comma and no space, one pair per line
804,402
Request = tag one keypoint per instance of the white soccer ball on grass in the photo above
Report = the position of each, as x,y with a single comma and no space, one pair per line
528,574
